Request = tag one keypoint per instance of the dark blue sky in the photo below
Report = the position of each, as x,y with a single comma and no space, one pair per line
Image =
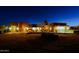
38,14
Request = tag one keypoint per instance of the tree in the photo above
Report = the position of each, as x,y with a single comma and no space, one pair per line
46,22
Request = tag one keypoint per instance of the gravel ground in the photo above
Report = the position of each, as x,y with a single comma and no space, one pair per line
23,42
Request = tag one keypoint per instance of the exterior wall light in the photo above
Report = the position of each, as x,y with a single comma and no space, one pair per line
10,28
17,28
34,28
27,28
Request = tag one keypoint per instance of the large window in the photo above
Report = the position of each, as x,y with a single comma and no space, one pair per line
60,29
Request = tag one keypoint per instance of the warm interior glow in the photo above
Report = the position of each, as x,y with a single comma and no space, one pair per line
34,28
68,28
60,28
13,28
10,28
6,28
17,28
57,29
63,29
46,27
27,28
50,28
38,28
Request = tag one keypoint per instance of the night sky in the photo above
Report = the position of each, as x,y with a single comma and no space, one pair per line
38,14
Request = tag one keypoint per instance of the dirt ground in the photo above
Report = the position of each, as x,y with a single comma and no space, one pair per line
23,42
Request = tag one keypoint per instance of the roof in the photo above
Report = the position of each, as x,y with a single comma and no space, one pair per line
74,28
61,24
34,25
20,23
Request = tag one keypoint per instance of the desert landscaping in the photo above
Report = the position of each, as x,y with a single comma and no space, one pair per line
39,42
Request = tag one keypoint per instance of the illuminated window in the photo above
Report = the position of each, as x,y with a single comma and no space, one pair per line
27,28
34,28
68,28
10,28
50,28
17,28
60,29
13,28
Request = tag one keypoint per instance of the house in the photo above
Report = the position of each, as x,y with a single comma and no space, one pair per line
60,28
3,29
18,27
75,28
35,28
23,27
45,27
13,26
